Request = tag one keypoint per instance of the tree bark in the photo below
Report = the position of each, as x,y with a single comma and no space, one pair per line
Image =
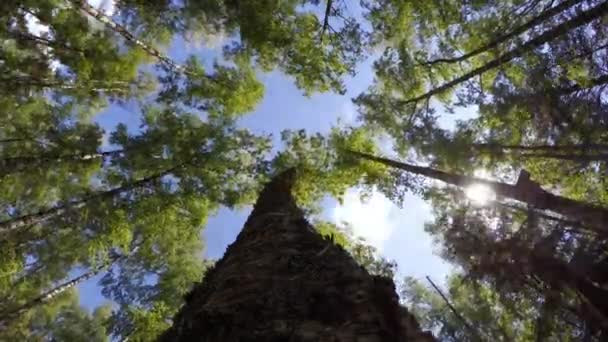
525,190
578,21
281,281
545,15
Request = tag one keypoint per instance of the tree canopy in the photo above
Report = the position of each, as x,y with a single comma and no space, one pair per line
518,187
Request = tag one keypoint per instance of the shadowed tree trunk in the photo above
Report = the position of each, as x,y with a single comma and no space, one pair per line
525,190
281,281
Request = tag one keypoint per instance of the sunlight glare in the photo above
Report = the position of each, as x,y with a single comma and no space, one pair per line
479,194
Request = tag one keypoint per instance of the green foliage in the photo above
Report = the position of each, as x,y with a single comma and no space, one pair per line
365,255
478,304
133,208
324,168
63,320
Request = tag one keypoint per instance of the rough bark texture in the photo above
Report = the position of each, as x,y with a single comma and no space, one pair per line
281,281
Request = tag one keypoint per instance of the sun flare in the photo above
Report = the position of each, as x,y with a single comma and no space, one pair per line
479,193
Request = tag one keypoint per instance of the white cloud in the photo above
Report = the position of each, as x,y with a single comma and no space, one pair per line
397,233
370,219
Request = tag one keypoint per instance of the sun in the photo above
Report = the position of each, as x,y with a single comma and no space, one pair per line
479,194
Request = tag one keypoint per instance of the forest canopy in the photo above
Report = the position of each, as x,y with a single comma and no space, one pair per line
517,181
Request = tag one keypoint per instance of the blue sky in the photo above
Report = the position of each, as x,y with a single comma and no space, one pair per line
398,233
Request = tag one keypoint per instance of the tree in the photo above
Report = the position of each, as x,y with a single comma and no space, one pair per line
527,257
525,190
474,302
62,320
287,286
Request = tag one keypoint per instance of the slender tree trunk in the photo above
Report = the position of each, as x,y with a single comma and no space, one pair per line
577,153
17,164
281,281
8,316
581,158
326,19
545,15
44,215
594,82
524,190
13,140
466,323
578,21
121,30
96,86
582,148
44,41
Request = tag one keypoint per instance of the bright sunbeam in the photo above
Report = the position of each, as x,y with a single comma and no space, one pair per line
479,194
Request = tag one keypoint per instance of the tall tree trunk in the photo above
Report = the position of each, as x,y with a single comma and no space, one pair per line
49,83
326,19
525,190
9,315
545,15
46,214
578,21
574,148
567,90
13,140
578,153
17,164
121,30
43,41
281,281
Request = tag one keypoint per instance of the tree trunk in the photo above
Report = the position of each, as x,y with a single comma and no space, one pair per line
545,15
578,21
17,164
8,316
49,83
46,214
577,153
525,190
326,19
578,148
281,281
121,30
